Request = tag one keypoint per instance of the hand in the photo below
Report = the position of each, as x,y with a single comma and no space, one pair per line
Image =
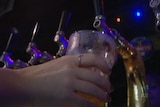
56,82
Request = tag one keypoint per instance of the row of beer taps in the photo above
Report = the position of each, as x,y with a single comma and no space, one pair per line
36,55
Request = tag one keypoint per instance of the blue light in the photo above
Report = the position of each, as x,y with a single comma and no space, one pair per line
138,14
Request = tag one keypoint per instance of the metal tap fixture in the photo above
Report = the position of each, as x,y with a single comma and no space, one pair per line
37,57
7,62
5,59
137,87
60,34
62,42
154,4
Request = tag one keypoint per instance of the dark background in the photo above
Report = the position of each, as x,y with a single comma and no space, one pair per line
25,13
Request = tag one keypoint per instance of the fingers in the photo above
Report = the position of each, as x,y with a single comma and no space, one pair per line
91,60
90,89
94,76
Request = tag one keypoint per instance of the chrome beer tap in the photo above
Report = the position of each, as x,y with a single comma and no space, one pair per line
6,60
60,34
137,87
37,57
155,5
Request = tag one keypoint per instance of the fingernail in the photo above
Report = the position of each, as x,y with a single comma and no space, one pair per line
108,98
102,74
111,89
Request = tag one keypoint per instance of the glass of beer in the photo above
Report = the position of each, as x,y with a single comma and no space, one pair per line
96,42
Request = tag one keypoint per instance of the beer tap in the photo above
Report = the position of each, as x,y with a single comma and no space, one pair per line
155,5
137,87
6,61
37,57
100,20
60,34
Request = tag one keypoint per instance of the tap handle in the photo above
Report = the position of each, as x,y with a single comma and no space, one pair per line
99,7
60,34
35,31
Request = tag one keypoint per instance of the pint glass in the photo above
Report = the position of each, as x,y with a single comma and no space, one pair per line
96,42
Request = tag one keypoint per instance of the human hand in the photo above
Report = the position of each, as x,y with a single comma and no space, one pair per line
56,82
